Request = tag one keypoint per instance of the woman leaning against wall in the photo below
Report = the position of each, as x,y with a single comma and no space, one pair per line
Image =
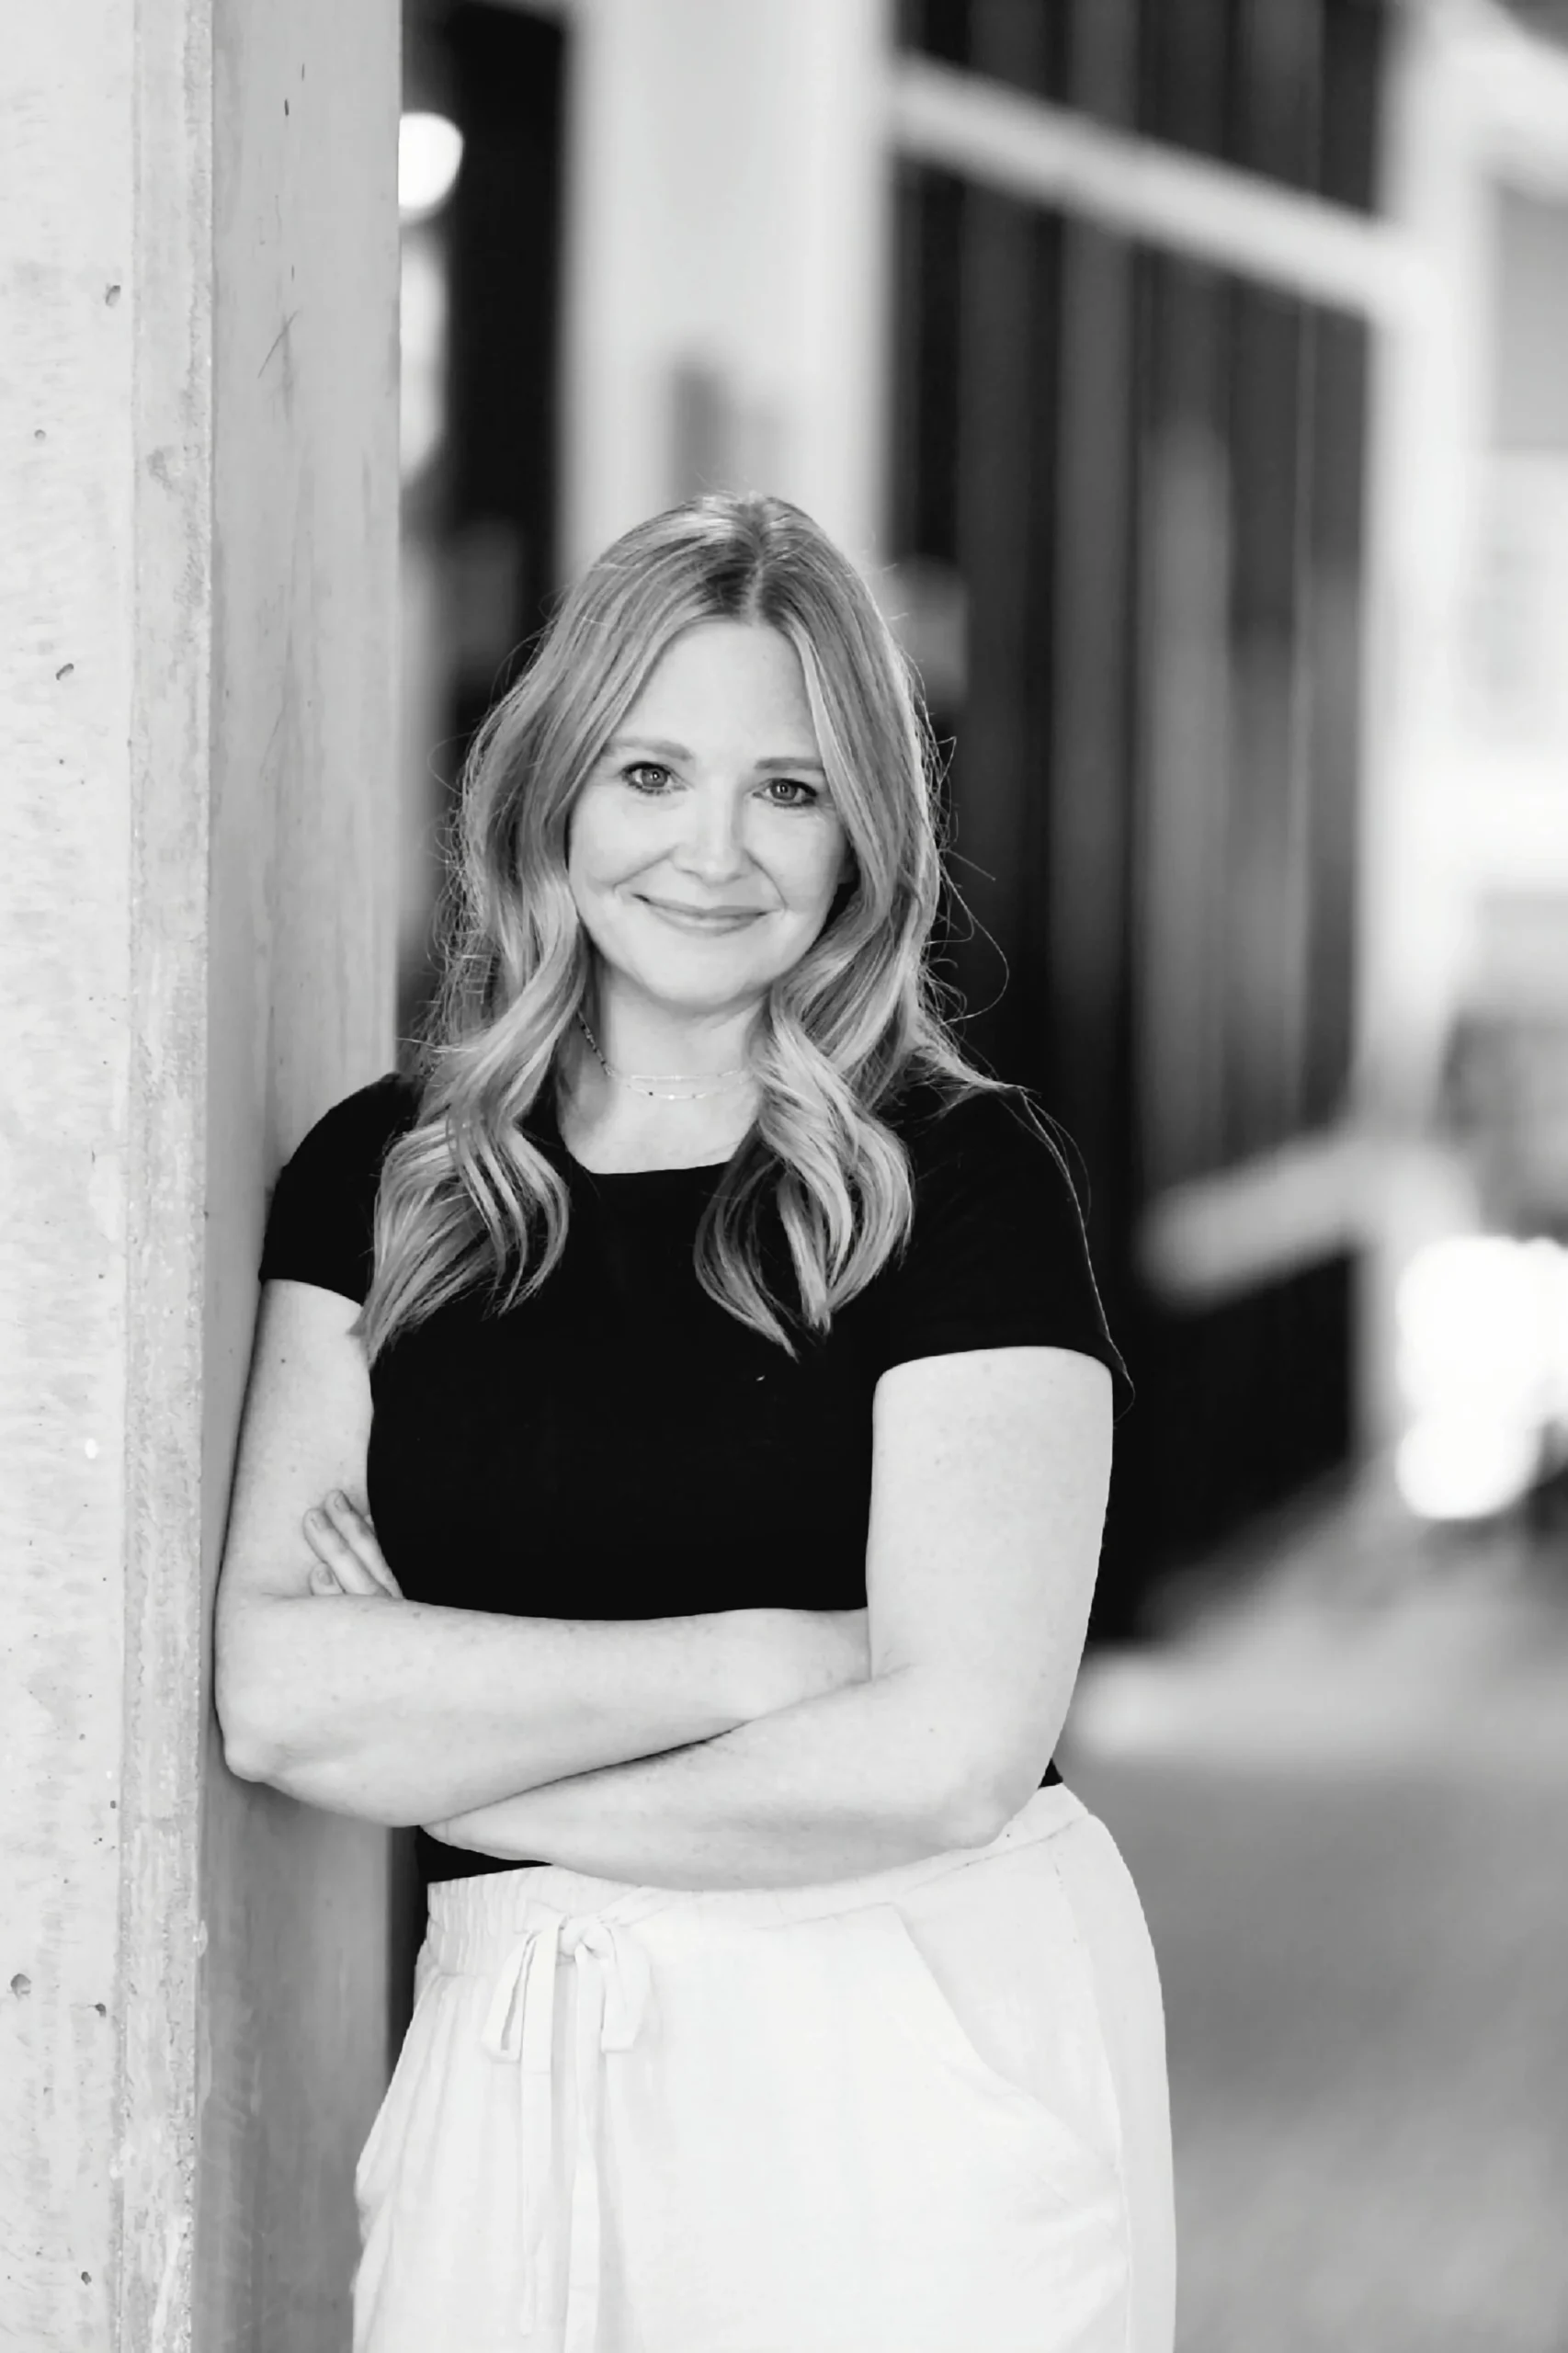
673,1476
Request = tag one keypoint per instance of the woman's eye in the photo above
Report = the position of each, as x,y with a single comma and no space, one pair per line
650,778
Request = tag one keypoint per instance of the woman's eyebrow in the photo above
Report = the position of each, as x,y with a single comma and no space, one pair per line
665,750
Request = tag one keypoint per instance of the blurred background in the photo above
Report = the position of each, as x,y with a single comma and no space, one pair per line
1190,378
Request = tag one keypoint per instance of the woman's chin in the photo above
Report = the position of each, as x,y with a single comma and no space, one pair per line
689,986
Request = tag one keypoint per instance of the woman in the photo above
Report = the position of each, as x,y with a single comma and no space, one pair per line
697,1382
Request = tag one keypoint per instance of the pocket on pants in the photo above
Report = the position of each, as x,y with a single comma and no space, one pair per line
384,2126
389,2124
988,1971
929,2015
815,2156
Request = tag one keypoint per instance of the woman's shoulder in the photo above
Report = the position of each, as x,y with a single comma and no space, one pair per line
359,1129
321,1220
998,1254
953,1131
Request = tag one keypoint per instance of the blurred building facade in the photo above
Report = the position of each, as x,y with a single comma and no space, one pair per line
1190,384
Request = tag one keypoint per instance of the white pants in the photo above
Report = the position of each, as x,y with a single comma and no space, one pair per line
921,2112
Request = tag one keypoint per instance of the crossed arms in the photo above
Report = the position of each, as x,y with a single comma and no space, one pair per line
748,1747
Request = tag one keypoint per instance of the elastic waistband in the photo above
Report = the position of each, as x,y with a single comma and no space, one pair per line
474,1921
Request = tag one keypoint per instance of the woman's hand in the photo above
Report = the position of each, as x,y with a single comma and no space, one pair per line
348,1559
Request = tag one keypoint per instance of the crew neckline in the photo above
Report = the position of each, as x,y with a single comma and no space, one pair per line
549,1125
621,1175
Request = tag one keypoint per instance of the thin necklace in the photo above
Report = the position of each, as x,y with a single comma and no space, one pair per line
642,1082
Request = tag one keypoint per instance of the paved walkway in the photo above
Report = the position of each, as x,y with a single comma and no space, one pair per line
1341,1786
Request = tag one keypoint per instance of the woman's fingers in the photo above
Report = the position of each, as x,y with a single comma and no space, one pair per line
362,1536
342,1539
332,1549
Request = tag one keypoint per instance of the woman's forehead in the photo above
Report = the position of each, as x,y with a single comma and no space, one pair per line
723,677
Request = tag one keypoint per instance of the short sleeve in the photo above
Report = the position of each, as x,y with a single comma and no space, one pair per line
320,1225
998,1257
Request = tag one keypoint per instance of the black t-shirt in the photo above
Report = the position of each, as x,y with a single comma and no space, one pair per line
620,1446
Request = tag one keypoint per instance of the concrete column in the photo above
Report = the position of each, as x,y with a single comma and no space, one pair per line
199,478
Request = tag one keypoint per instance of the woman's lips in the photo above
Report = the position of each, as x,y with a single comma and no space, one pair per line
689,919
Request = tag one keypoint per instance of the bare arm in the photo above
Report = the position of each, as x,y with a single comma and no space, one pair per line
402,1711
851,1782
989,1481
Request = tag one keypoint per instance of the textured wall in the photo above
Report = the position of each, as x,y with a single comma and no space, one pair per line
198,472
66,662
299,980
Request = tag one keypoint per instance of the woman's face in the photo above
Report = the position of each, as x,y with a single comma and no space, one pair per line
704,851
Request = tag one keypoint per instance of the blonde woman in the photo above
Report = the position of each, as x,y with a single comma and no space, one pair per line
672,1477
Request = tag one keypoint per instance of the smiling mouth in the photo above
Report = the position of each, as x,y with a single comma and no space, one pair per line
704,918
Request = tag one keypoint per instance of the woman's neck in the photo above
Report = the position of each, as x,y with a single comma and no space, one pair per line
607,1125
656,1044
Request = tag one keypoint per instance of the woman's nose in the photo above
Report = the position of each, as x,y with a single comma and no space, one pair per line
713,837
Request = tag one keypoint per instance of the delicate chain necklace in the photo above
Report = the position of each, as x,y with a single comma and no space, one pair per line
643,1082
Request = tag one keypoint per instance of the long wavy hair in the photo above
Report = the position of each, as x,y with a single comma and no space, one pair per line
465,1195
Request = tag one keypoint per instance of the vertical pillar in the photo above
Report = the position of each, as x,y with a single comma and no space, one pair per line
198,469
1410,944
726,274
